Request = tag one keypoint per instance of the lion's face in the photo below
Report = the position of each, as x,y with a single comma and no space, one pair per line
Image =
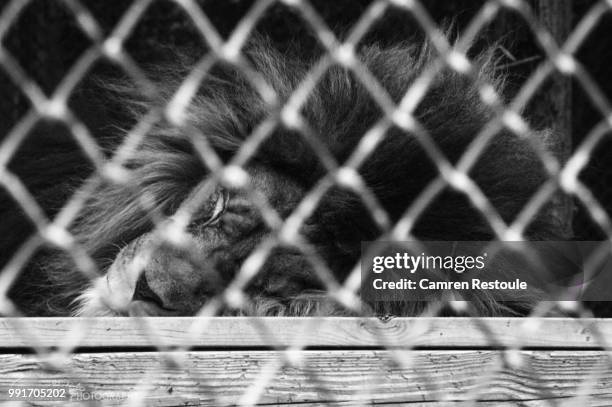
152,276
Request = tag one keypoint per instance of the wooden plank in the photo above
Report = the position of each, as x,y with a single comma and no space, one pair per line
218,378
240,332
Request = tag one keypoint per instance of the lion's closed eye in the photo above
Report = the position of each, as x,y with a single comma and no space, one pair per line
212,211
220,206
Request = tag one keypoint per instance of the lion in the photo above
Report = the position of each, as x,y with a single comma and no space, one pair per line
117,225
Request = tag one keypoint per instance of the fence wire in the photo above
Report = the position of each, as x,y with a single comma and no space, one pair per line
564,176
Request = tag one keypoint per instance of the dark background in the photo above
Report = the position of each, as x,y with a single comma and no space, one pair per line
46,41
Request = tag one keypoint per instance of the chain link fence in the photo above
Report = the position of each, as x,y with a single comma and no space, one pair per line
34,99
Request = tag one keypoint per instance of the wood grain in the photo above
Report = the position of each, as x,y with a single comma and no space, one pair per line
326,377
237,332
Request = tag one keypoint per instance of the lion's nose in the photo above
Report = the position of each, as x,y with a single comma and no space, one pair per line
173,283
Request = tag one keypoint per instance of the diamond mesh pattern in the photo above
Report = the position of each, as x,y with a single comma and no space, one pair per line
110,46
